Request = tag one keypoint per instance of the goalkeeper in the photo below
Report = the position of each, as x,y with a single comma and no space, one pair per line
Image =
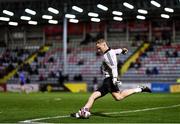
110,84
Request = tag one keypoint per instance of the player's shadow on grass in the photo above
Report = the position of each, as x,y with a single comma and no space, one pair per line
101,114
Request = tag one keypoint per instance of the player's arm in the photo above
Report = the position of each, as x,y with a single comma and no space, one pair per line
115,79
119,51
113,65
115,75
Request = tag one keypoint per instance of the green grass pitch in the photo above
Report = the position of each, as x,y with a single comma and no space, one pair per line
138,108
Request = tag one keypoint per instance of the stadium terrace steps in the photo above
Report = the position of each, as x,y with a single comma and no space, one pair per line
177,36
168,67
87,53
29,59
133,57
12,56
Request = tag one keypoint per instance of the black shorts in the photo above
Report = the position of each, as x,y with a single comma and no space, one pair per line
107,87
22,83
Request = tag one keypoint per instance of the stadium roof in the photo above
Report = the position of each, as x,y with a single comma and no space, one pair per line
41,8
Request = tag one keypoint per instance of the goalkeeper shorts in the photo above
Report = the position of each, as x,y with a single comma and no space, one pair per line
107,87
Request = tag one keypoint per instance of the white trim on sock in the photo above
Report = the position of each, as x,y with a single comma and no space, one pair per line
137,90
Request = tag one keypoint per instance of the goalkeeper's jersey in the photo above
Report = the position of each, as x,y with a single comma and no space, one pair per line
109,64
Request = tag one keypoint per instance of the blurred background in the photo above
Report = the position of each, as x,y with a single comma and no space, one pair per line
49,45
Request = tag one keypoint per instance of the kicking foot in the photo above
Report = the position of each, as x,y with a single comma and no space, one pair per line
145,89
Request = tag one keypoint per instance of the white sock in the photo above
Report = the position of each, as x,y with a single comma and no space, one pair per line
137,90
77,115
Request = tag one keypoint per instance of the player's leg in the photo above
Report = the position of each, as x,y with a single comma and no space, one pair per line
101,91
125,93
22,87
95,95
27,89
121,95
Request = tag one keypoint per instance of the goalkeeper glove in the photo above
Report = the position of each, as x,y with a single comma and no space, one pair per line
117,83
124,51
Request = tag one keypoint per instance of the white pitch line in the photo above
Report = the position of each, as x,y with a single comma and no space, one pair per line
142,110
108,113
45,118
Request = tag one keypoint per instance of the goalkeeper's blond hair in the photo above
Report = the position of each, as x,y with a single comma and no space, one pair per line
101,41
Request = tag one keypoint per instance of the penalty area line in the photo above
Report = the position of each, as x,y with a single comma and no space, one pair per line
107,113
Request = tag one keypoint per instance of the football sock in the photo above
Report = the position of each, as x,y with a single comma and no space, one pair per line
137,90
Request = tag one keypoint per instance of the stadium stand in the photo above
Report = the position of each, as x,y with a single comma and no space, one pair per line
158,64
84,62
11,58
